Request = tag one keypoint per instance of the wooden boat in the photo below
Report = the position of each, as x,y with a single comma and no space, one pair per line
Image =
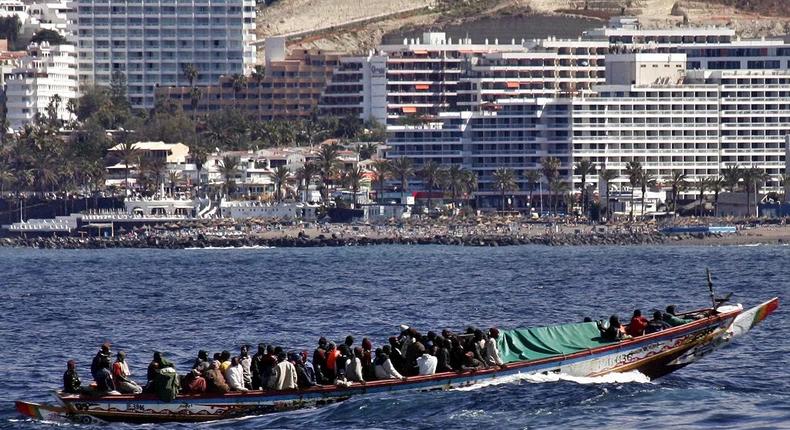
559,349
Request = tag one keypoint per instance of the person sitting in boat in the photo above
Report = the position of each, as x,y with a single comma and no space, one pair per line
471,363
441,350
104,382
256,367
332,355
305,374
215,381
121,376
268,363
354,366
367,359
246,361
637,325
457,354
194,382
396,356
201,362
104,353
383,365
615,331
477,345
319,361
657,323
71,379
493,358
672,319
426,364
413,352
224,361
284,376
234,375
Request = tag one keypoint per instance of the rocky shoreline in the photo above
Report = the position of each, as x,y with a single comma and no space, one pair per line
200,241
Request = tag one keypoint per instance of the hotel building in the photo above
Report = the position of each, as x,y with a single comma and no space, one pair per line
152,42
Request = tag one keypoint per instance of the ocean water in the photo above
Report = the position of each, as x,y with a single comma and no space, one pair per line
61,305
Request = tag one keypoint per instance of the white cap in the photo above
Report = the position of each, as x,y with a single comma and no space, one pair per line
403,327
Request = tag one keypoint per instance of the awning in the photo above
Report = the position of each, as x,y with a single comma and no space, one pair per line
409,109
422,86
512,85
420,51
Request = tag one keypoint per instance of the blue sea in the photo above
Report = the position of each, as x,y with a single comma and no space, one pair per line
61,305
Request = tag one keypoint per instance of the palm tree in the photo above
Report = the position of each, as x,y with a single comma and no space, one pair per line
504,180
678,182
327,162
195,94
305,175
352,178
430,173
156,168
366,151
174,178
470,183
199,157
607,176
280,175
381,169
128,154
453,181
785,179
646,180
7,177
702,185
403,169
584,168
559,188
731,175
191,73
533,178
634,171
752,179
238,81
550,167
716,185
229,169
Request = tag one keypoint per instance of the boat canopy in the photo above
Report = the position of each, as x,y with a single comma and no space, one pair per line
543,342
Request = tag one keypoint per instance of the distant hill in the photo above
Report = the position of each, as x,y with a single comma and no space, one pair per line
356,26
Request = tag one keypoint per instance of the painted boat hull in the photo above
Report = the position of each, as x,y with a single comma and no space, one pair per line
654,355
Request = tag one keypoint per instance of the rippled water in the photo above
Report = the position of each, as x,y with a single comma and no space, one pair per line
57,305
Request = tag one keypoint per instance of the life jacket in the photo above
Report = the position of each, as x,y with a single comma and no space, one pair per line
331,359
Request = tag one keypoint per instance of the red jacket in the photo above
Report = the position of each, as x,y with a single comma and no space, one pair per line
637,326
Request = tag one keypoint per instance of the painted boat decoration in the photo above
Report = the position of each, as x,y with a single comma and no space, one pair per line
526,351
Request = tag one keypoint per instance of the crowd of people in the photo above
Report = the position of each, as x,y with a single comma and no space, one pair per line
639,325
271,367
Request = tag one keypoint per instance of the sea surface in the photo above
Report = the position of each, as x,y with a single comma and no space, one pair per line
58,305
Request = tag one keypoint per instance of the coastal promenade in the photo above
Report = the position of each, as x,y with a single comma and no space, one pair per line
487,231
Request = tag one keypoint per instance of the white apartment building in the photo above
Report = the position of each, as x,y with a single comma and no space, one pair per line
152,42
358,87
37,78
35,16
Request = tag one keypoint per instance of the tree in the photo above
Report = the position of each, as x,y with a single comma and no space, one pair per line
327,161
678,182
280,175
229,169
352,178
470,184
174,178
634,171
533,179
128,154
504,180
381,169
430,173
50,36
607,176
646,180
753,177
550,167
190,73
239,82
702,185
453,180
559,188
199,157
731,175
156,169
305,175
366,151
716,185
583,169
403,169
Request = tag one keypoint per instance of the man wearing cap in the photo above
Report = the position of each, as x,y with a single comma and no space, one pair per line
103,354
71,380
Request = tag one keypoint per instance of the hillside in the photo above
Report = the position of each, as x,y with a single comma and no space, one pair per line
357,26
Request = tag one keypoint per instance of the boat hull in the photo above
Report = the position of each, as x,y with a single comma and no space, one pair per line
654,355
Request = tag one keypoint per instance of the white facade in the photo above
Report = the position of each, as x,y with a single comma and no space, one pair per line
151,43
47,71
358,87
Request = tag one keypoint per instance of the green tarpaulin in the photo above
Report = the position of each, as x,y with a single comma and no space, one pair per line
543,342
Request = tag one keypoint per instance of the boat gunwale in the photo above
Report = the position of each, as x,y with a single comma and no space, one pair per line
413,380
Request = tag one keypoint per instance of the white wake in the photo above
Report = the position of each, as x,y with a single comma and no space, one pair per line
633,376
